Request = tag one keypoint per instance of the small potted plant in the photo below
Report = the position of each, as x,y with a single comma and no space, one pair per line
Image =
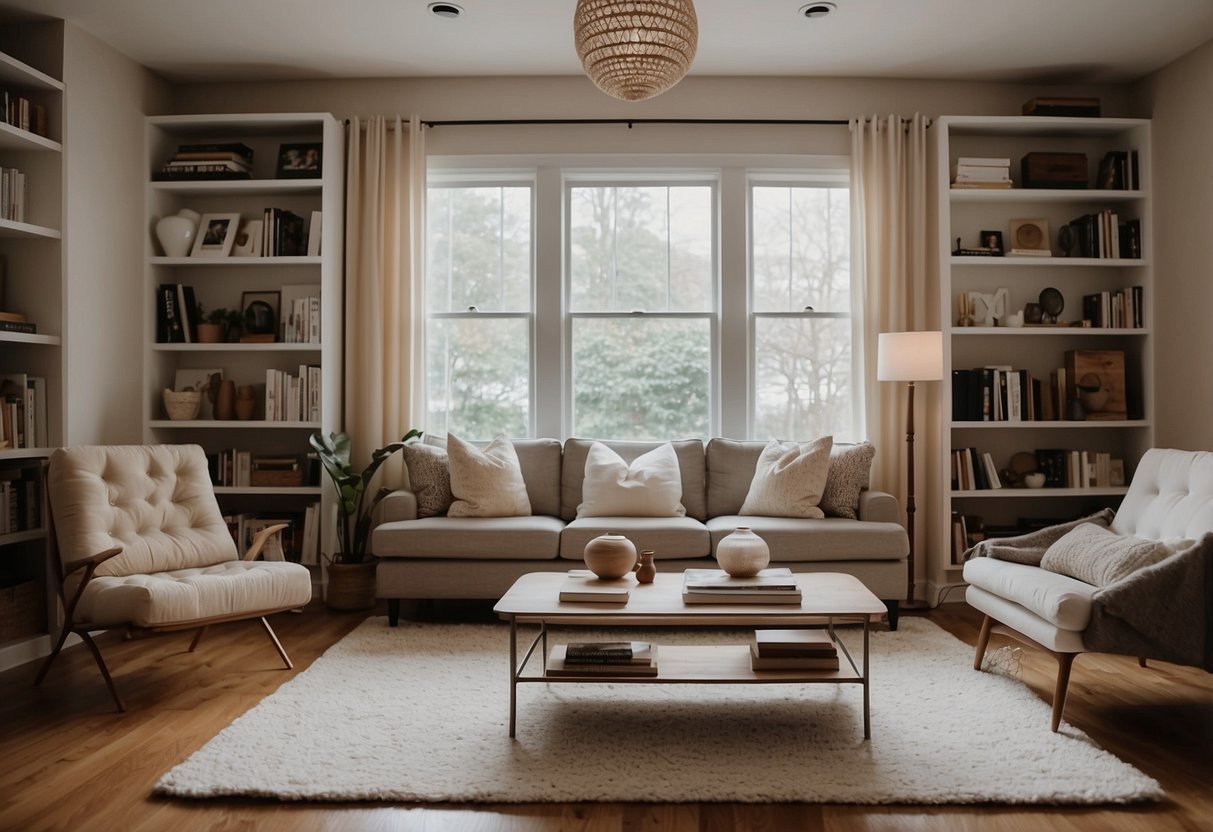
233,321
211,325
351,569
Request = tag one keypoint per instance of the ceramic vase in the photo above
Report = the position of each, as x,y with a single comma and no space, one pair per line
176,233
610,555
225,402
245,403
742,553
646,571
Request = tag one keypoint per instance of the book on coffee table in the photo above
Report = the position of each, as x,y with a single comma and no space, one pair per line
715,586
815,643
557,665
583,586
758,662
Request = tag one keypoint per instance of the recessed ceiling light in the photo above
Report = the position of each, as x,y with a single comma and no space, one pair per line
813,11
449,10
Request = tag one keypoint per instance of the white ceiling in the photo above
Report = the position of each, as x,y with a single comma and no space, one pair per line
1036,41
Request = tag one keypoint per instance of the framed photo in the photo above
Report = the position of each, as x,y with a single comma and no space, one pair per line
992,240
299,161
216,235
260,310
248,239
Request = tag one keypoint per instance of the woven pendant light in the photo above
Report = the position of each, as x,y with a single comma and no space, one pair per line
635,50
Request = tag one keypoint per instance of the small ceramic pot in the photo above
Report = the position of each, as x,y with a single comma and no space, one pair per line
176,233
1034,480
742,553
646,570
245,403
225,402
610,555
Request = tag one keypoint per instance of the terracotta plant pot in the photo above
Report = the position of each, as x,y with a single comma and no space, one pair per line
210,333
351,586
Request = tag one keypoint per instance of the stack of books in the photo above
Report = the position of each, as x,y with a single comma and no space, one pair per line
584,587
981,172
715,586
609,658
230,160
793,650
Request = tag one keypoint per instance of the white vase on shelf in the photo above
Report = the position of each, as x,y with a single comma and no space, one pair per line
176,232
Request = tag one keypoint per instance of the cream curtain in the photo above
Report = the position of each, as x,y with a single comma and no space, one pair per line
894,233
384,316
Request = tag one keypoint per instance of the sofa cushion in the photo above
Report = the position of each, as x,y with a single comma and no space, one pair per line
486,483
539,460
795,539
690,468
668,537
649,486
429,478
232,588
482,538
1099,556
730,470
850,473
789,479
1061,600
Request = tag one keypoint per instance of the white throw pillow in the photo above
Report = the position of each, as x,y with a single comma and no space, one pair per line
486,483
650,487
789,479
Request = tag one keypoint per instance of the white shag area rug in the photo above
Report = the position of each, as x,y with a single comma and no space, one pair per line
420,713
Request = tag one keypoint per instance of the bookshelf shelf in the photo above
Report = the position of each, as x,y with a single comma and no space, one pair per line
276,346
236,262
241,187
26,338
9,228
1089,287
217,424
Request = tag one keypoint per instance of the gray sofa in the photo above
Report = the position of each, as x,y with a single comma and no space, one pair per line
460,557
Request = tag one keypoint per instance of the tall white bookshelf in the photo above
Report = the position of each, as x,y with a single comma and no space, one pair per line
220,282
963,215
31,284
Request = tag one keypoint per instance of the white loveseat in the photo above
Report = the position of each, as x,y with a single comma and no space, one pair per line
473,557
1162,610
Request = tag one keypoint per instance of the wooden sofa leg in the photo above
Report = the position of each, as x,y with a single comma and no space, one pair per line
393,611
46,665
269,631
1064,662
1141,661
983,640
197,638
894,608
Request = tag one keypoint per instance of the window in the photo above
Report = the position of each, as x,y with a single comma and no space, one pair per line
478,298
641,308
800,301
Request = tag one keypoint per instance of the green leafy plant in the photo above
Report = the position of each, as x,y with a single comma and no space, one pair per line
353,507
214,316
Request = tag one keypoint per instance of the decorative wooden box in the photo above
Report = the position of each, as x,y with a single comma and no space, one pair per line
1054,170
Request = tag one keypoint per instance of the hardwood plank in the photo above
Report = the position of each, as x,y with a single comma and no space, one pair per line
69,761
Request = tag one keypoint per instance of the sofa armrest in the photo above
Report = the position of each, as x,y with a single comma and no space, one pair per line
401,504
879,507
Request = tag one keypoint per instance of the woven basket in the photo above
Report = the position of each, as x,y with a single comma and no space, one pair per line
22,611
181,406
351,586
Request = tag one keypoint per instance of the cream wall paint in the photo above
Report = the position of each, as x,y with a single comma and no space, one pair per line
1178,97
106,98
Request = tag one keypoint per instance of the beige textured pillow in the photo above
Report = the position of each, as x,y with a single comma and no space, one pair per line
789,479
486,483
429,477
850,473
1099,556
650,487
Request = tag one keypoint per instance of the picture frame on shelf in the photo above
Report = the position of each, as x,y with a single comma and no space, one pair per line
216,235
248,239
299,160
260,311
992,240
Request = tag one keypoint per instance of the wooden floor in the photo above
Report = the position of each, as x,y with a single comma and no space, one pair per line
68,761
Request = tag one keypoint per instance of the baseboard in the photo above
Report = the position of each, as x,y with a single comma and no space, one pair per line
946,593
29,650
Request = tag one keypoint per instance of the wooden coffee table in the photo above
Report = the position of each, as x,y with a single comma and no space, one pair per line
828,597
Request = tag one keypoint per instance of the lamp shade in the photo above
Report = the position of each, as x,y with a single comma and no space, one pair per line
635,49
909,356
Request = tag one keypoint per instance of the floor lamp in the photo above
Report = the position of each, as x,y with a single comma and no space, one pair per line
910,357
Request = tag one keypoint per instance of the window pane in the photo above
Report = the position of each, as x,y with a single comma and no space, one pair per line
802,378
641,379
479,249
801,249
640,247
478,381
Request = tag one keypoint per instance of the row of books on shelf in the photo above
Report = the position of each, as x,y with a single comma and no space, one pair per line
233,468
14,194
1120,309
299,542
176,314
1090,387
1103,235
301,320
973,470
23,411
282,234
1119,170
20,499
225,160
24,114
293,398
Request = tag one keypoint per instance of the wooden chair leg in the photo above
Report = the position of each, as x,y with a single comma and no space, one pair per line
270,632
46,665
197,638
983,641
1064,662
1141,661
105,673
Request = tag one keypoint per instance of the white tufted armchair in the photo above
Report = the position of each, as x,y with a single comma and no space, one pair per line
141,544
